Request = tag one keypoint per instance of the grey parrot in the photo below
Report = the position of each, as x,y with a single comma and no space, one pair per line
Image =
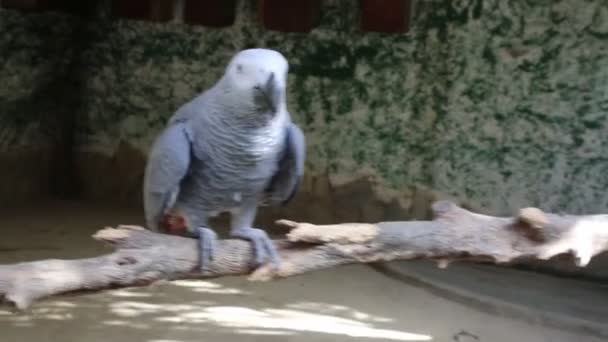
231,149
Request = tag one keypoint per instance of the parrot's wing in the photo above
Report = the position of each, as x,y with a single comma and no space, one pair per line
167,164
286,181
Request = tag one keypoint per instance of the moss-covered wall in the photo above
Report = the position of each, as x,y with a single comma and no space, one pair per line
369,93
527,105
500,104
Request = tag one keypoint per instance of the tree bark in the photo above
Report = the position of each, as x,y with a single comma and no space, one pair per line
142,257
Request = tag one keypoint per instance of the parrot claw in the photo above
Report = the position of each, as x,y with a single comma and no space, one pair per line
207,239
263,247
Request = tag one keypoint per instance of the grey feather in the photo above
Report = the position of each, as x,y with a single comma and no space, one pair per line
287,179
168,163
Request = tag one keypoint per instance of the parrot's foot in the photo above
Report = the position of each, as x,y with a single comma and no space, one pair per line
263,248
207,239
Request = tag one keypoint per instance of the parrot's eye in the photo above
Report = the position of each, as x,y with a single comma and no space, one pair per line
239,68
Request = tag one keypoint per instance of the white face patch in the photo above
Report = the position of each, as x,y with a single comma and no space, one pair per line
252,67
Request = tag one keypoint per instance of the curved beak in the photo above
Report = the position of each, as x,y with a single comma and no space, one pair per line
272,93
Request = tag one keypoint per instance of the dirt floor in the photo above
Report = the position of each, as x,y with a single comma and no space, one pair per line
344,304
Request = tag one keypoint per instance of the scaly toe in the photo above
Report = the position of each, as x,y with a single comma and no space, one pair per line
271,252
263,248
207,239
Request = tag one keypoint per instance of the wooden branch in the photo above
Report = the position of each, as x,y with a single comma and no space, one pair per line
142,257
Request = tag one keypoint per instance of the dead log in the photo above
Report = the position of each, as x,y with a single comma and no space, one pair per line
142,257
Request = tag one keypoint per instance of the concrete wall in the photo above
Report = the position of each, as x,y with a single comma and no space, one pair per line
498,104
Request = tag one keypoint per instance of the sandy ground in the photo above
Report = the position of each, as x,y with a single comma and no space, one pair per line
353,303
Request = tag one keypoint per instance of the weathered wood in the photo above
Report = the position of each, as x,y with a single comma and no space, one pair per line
142,257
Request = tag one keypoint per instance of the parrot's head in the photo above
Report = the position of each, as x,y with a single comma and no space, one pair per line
259,76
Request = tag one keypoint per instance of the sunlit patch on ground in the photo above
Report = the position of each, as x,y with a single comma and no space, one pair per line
289,320
209,287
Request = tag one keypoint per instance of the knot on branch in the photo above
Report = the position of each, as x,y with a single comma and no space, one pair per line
112,235
443,208
535,217
530,223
